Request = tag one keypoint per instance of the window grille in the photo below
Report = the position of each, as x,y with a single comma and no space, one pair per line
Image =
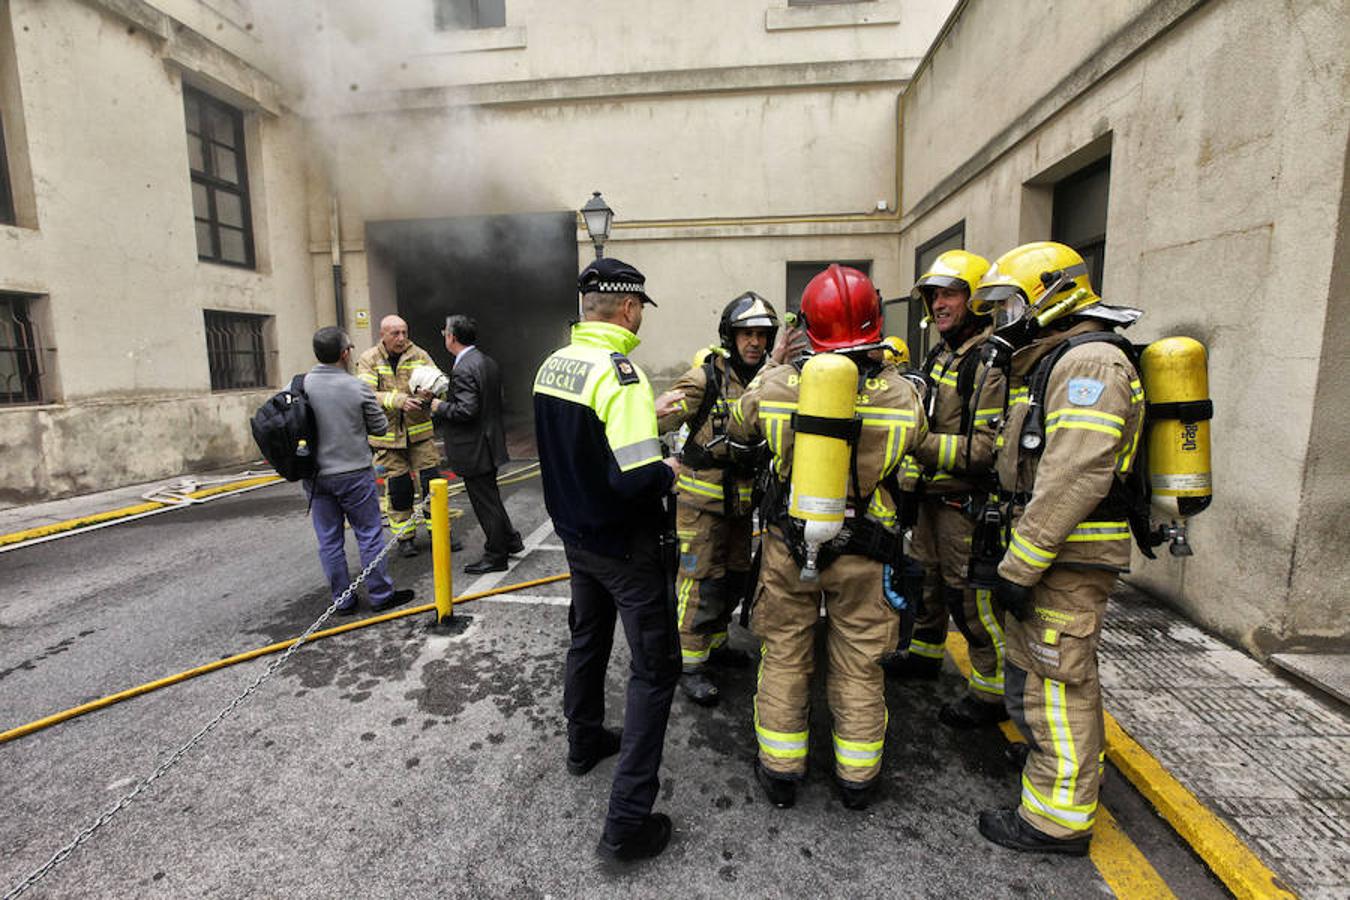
20,353
236,348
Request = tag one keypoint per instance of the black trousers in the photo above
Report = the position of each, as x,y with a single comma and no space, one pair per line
486,499
635,591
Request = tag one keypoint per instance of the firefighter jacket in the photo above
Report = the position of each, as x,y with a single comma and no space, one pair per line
391,389
1094,412
599,454
887,404
698,485
957,456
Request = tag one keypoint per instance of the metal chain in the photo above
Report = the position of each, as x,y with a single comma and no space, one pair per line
64,853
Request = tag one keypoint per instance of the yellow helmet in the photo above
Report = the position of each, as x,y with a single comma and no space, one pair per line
1043,280
955,268
896,351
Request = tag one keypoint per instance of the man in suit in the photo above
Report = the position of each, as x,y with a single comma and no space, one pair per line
470,424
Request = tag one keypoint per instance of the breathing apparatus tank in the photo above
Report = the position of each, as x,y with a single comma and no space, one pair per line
1176,385
820,460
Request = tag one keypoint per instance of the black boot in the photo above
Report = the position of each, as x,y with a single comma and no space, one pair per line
911,666
699,687
968,713
602,747
856,795
648,840
1008,829
782,792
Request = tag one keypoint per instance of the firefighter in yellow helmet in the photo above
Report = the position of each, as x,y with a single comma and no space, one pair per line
949,476
714,491
842,313
1066,449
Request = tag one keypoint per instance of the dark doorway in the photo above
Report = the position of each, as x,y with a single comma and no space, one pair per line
515,274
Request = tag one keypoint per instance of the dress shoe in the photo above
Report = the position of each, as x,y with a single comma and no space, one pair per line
782,792
911,666
729,657
646,841
397,598
856,795
603,747
485,564
407,548
969,713
699,688
1008,829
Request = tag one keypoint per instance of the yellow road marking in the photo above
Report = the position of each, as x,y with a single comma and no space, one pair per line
1118,860
41,531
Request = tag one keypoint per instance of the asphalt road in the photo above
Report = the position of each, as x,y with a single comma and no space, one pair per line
392,762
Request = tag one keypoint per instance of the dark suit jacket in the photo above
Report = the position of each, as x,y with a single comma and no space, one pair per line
470,425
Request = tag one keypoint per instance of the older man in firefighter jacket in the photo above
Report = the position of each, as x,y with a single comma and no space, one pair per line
604,483
407,446
1065,456
714,489
949,475
843,314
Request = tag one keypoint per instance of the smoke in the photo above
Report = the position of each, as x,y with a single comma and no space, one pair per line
383,93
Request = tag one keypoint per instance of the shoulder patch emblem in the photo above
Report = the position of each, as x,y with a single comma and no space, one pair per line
626,371
1085,391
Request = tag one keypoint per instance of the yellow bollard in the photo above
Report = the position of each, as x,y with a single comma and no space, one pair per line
440,549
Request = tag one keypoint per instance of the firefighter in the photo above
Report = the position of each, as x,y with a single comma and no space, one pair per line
714,491
407,446
950,474
1068,442
842,312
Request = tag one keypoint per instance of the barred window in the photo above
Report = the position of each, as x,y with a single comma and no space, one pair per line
20,353
215,137
236,348
6,195
468,14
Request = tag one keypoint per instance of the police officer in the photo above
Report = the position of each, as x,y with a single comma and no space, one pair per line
714,490
1066,450
604,483
949,474
407,446
843,315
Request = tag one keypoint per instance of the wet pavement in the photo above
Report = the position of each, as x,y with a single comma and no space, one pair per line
390,761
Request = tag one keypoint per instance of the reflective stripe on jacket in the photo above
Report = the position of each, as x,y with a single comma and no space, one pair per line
1094,412
946,454
391,389
702,488
599,454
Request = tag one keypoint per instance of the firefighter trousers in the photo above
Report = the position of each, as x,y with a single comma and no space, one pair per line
714,563
861,627
398,464
1054,697
941,542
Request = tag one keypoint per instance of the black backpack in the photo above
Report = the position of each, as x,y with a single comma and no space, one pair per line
284,431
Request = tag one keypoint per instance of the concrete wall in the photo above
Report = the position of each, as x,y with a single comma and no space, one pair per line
111,252
729,138
1226,124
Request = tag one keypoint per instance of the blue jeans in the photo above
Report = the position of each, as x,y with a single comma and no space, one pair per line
349,495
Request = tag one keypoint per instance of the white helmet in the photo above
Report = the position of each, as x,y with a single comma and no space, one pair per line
429,378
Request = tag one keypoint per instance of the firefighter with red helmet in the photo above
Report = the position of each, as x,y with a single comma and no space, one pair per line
950,475
714,487
885,419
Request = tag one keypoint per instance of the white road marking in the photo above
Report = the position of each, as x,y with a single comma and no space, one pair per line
490,580
532,599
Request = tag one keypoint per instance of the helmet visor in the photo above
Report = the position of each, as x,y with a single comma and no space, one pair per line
1006,302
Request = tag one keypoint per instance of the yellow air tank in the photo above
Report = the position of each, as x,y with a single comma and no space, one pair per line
1176,385
820,462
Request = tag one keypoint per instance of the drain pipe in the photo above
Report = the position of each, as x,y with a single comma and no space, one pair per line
335,241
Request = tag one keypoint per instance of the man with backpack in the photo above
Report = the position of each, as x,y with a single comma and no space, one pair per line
345,412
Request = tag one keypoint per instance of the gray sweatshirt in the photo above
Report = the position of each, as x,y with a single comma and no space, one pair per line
345,411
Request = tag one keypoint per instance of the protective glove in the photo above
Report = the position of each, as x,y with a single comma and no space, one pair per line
1013,597
893,587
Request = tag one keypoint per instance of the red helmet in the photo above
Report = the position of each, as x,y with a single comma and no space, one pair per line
842,310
